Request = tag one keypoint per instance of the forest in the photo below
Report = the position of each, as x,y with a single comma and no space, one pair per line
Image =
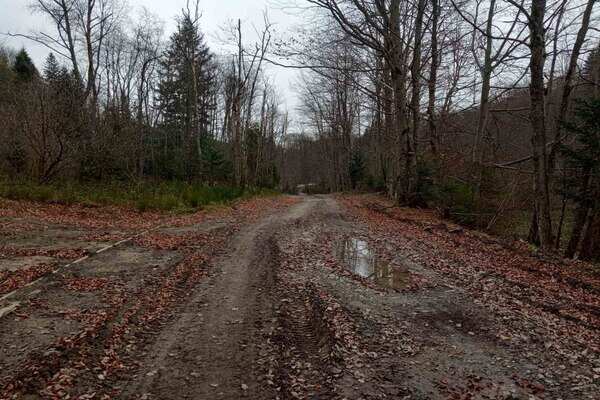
417,216
487,111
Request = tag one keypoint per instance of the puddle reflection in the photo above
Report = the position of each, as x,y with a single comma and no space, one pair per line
362,261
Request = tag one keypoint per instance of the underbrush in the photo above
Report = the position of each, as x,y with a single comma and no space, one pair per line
144,195
516,223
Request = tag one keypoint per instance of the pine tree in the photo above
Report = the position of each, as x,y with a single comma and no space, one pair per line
215,167
52,70
583,163
356,168
63,86
5,70
24,67
185,93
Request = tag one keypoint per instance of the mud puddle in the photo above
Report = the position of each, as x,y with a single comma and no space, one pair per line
361,260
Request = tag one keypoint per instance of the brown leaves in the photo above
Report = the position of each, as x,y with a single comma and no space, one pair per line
163,241
67,254
537,304
110,329
79,215
482,262
86,284
14,280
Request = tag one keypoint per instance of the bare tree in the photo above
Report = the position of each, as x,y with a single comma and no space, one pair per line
537,116
245,72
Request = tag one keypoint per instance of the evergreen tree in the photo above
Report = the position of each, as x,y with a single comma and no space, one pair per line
6,72
583,158
215,167
583,163
63,84
24,67
356,168
52,70
185,94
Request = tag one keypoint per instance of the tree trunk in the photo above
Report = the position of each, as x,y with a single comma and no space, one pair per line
538,123
486,73
402,184
534,229
568,78
581,216
415,71
590,244
432,83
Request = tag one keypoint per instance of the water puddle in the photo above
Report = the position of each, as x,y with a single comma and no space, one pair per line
362,261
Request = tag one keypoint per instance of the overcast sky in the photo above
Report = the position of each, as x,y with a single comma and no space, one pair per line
15,17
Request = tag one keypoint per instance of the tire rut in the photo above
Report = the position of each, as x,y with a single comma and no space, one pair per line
214,348
304,346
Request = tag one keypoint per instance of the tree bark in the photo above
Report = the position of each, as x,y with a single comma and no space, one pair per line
538,123
415,71
590,244
486,74
568,78
581,216
432,83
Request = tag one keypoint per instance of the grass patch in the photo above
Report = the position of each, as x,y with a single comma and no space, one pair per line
145,195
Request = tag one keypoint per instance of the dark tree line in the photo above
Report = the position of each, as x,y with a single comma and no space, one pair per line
467,106
143,108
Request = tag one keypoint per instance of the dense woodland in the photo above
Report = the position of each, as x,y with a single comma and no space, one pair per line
117,100
488,110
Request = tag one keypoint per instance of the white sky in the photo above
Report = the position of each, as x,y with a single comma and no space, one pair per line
15,17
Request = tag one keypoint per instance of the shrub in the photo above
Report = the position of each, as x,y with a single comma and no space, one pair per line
456,200
147,195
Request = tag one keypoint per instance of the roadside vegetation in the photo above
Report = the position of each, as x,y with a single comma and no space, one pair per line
155,123
440,105
145,195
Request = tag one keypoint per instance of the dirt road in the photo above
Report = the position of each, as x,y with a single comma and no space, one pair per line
310,297
214,346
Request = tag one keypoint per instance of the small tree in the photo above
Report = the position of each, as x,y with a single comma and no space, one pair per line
356,169
6,72
215,168
24,67
52,69
583,163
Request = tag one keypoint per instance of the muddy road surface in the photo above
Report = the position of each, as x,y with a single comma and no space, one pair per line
291,297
